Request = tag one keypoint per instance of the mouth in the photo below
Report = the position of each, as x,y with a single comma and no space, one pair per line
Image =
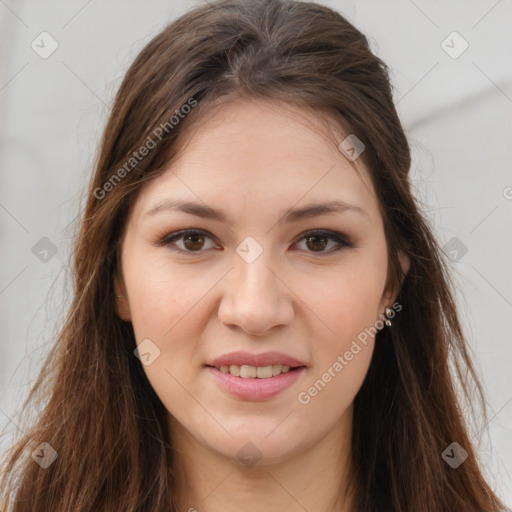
254,377
255,383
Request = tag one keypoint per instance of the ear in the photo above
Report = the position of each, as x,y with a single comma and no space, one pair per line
389,295
405,263
121,300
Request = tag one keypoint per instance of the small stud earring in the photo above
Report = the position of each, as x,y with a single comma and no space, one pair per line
119,296
389,314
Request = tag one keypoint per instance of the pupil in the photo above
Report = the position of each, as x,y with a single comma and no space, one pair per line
317,237
194,239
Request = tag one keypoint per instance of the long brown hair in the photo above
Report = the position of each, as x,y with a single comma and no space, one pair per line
99,412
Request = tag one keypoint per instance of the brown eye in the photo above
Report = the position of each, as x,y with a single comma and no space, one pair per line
193,242
188,241
317,242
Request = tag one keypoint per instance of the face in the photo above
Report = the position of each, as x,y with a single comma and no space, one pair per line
251,280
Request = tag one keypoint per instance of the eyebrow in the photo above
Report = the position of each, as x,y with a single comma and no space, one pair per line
287,216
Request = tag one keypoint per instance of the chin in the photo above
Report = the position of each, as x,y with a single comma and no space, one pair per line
249,447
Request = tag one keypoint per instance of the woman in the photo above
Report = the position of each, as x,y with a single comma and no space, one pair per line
262,317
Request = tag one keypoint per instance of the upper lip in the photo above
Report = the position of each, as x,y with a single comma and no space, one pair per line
263,359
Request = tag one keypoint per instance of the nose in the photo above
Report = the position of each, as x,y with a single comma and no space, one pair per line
256,297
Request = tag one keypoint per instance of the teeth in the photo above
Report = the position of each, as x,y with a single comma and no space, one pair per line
248,372
264,372
251,372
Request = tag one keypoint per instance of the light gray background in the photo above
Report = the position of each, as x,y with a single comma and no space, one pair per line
457,113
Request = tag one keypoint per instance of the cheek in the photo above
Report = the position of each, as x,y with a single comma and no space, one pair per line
161,295
341,363
348,310
347,302
165,308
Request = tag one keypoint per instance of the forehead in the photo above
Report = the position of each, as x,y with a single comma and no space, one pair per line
260,152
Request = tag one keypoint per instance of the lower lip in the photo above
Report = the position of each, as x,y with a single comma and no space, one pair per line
256,389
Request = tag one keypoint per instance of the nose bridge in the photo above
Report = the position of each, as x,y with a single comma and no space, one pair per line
255,299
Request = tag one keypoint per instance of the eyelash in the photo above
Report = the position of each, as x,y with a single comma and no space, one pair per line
342,241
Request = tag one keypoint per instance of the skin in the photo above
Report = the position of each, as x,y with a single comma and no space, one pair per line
253,159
